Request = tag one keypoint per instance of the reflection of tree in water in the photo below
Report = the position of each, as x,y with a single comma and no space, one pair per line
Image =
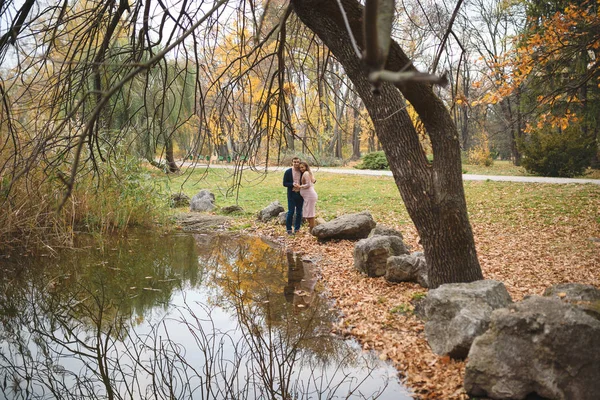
125,277
80,303
258,280
67,327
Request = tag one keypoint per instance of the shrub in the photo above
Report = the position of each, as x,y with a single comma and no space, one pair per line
376,160
121,196
286,158
564,154
329,161
480,154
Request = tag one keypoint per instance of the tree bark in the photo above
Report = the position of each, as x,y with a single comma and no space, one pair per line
356,130
433,193
169,156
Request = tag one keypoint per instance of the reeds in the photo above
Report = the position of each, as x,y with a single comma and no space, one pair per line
116,197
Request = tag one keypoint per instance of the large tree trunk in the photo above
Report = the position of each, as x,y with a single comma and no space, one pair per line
433,194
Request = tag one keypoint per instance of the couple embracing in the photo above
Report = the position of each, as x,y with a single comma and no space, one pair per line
301,195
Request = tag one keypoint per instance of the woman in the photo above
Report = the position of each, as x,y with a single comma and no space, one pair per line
307,191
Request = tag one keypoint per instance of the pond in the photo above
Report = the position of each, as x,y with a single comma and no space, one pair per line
186,316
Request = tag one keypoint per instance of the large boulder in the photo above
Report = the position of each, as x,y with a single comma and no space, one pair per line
371,254
456,313
382,230
203,201
407,268
539,346
349,226
586,297
271,211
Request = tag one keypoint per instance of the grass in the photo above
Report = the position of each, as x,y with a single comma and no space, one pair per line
504,168
505,203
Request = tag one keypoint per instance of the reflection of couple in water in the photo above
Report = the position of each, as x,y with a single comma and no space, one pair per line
301,281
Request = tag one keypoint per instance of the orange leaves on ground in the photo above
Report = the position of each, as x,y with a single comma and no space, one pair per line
527,256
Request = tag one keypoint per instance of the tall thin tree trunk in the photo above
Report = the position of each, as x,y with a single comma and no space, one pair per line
515,121
356,130
169,156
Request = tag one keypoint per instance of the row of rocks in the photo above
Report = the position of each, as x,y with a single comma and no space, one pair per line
203,201
380,250
546,346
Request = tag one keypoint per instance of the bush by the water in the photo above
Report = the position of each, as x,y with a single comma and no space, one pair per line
376,160
116,197
564,154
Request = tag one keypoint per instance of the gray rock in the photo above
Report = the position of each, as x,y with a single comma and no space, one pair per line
271,211
539,345
456,313
180,200
194,222
204,193
283,216
383,230
203,201
586,297
350,226
573,291
371,254
407,268
231,209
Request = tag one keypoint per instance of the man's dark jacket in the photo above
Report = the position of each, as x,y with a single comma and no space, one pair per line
288,180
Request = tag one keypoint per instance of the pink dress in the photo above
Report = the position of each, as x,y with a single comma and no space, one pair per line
308,193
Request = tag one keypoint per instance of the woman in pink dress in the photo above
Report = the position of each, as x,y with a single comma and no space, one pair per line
307,191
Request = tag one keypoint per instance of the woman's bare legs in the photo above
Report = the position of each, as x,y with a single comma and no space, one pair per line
311,224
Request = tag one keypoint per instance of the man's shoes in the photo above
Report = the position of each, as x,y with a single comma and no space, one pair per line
290,233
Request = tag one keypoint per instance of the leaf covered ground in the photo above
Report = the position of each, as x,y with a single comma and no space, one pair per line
527,240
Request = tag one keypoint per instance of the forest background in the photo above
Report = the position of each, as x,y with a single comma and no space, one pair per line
84,96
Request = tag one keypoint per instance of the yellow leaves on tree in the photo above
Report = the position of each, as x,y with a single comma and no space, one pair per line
551,41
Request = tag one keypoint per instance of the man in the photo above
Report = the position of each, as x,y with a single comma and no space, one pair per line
291,180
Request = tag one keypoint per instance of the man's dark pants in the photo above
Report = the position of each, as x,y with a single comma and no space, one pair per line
295,203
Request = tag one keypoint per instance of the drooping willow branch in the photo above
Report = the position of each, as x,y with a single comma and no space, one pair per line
106,97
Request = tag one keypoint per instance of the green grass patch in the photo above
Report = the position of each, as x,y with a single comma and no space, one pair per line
401,309
503,168
504,203
418,296
506,168
533,203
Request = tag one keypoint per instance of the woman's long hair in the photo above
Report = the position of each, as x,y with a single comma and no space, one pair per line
307,170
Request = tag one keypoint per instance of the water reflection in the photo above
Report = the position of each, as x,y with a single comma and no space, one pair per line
300,288
165,317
